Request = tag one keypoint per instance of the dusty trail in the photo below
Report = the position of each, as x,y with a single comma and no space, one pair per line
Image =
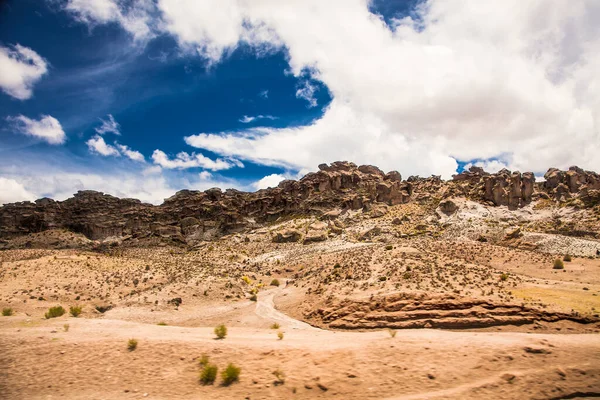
265,308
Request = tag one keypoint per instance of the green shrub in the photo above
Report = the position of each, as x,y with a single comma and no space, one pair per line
75,311
132,344
389,247
559,264
275,282
162,324
221,331
54,312
567,258
275,325
280,335
230,374
7,312
208,374
503,276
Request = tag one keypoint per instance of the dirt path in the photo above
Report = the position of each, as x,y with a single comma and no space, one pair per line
265,308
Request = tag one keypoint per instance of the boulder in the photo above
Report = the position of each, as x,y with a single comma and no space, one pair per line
287,236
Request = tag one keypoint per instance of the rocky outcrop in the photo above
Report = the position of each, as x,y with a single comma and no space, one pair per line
422,310
561,185
190,216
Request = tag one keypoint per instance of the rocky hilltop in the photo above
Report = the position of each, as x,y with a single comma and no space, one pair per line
192,216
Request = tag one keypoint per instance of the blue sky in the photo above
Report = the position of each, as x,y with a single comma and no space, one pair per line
141,98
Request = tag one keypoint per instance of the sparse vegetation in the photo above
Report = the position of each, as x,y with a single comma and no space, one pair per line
275,325
66,327
389,247
280,335
503,276
559,264
275,282
75,311
208,373
221,331
567,258
230,374
162,324
54,312
279,377
203,360
132,344
392,332
7,312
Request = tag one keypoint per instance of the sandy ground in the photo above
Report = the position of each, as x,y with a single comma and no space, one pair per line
40,360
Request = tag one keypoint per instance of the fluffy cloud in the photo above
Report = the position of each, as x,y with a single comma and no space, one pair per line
184,160
21,68
109,125
97,145
446,84
12,191
268,181
131,154
47,128
456,80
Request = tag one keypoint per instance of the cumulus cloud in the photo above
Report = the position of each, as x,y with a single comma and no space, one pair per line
268,181
446,84
108,125
21,69
97,145
456,80
12,191
184,160
131,154
247,119
47,128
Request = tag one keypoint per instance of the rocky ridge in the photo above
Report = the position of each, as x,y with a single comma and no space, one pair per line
192,216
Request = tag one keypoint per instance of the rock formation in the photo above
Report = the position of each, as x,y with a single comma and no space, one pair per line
191,216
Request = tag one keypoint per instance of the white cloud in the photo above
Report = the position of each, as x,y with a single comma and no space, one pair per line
21,69
131,154
450,84
205,175
268,181
109,125
247,119
184,160
97,145
306,91
136,16
461,80
47,128
12,191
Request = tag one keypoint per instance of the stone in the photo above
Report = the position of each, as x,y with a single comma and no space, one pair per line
287,236
315,236
448,206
